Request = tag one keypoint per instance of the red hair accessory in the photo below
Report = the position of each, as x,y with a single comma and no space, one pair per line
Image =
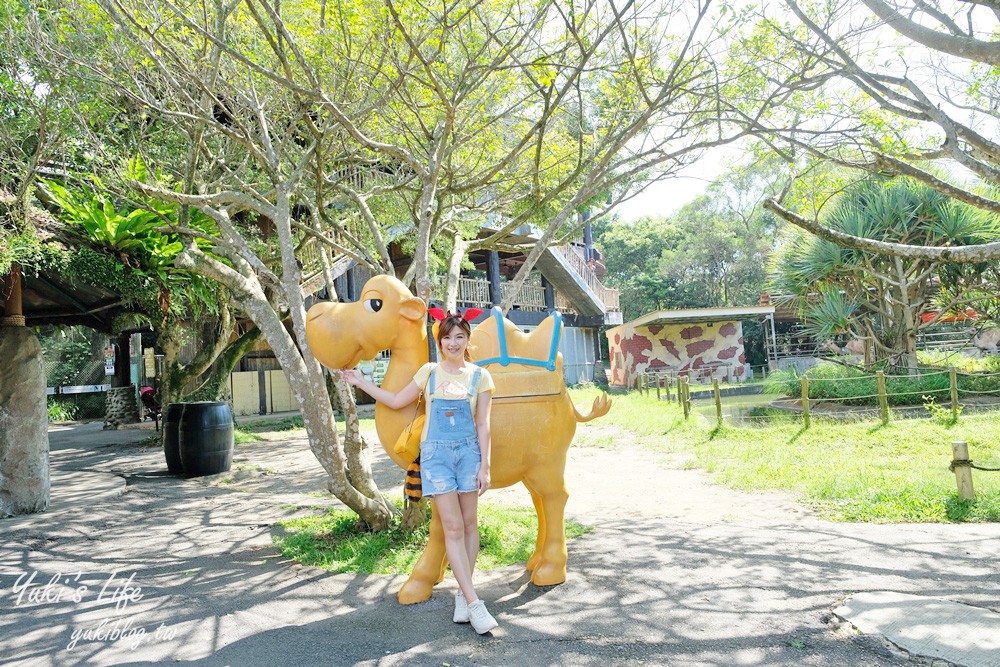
469,314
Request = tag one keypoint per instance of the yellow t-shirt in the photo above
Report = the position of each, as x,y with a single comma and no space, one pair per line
451,385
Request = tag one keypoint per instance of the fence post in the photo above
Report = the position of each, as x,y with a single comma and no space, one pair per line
659,381
963,472
718,400
953,381
684,398
687,396
883,400
805,401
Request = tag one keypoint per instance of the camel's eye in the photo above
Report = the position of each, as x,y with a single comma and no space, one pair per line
373,305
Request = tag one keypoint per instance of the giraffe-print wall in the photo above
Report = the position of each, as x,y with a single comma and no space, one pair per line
677,347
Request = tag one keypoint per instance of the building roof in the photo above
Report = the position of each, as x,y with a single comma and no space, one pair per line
49,298
699,315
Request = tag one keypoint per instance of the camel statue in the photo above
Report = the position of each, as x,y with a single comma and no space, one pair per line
533,418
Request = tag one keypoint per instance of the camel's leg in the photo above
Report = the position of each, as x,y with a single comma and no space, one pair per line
429,570
540,538
551,568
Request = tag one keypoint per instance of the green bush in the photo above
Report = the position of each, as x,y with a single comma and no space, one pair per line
852,387
61,411
77,406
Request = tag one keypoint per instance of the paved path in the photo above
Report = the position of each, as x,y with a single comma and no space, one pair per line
675,572
929,626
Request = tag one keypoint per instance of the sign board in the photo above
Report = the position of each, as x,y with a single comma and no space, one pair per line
149,361
109,360
84,388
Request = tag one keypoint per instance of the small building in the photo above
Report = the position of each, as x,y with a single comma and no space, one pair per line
700,343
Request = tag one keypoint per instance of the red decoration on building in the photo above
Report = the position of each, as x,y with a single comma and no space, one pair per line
729,352
692,332
669,346
639,347
699,347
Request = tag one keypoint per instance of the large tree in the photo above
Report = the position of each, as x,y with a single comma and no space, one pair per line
632,253
712,252
314,134
339,126
898,87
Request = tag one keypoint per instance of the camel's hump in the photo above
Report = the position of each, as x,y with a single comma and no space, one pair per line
534,365
541,344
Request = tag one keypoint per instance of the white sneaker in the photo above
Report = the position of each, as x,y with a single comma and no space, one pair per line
461,608
481,619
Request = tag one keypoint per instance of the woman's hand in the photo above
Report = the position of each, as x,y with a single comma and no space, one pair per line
351,376
484,478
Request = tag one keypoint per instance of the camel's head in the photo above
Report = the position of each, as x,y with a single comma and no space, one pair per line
342,334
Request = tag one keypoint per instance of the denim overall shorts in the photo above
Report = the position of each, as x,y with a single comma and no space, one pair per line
449,455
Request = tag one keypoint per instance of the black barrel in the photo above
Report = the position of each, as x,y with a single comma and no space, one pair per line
171,444
206,438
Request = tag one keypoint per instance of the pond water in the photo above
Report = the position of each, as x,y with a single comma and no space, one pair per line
735,409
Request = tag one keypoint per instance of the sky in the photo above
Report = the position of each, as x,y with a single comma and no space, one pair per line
667,196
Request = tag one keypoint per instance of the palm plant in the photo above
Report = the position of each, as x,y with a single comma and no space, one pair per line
876,297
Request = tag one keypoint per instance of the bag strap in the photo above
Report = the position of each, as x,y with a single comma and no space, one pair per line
475,382
420,398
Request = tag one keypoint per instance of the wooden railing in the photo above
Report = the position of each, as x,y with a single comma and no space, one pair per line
476,293
529,297
608,296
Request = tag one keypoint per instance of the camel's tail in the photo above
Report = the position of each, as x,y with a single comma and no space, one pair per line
600,408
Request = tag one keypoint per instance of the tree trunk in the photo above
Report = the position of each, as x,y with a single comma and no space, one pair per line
309,388
24,439
177,376
907,324
454,272
415,515
214,384
169,341
359,451
306,377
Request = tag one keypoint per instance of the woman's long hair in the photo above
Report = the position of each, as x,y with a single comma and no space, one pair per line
446,326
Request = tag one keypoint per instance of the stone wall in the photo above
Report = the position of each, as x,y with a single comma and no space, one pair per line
715,349
121,407
24,422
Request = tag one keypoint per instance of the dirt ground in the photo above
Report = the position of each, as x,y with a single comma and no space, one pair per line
604,480
615,481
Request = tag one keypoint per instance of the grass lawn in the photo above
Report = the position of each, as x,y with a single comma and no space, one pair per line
248,431
334,541
847,471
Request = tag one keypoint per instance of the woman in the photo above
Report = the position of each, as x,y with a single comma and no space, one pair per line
454,452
